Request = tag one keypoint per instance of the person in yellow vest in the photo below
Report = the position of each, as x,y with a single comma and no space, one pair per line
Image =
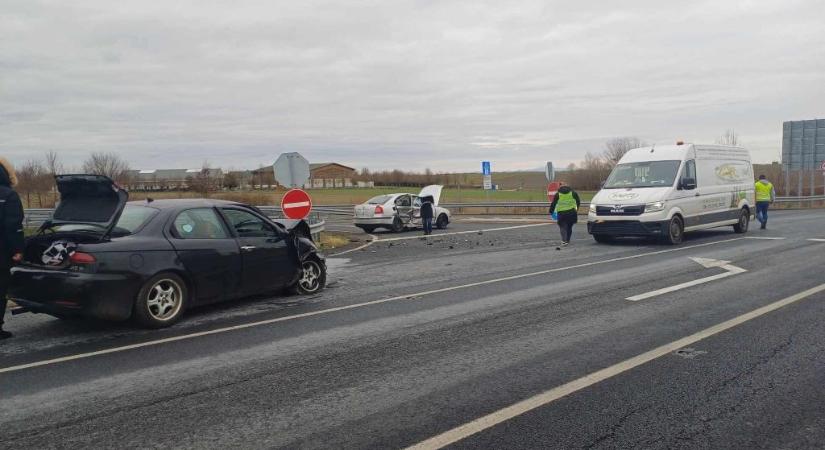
765,195
565,208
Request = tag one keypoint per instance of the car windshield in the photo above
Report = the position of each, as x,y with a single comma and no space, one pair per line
379,200
132,218
643,175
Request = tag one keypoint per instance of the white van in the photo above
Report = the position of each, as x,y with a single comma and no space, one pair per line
664,191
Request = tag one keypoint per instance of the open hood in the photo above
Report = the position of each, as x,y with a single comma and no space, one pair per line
433,190
89,200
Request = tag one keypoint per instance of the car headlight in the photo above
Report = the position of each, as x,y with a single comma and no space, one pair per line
654,207
592,208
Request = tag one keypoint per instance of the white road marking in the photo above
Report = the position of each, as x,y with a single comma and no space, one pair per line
707,263
816,240
515,227
296,205
549,396
373,239
412,296
766,238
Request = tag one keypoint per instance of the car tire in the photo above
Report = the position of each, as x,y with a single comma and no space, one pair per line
442,222
603,238
312,279
161,301
367,229
744,222
397,225
675,232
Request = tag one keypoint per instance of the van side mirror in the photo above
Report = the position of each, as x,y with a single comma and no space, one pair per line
688,184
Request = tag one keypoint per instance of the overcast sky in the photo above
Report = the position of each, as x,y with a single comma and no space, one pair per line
400,84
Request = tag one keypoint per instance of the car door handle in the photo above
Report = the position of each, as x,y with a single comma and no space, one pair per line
248,248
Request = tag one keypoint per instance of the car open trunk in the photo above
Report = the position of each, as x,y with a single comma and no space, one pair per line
54,249
90,206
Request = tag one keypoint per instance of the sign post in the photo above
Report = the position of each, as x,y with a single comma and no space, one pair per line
487,174
291,170
296,204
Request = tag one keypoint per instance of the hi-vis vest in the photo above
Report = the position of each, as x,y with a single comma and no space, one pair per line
566,202
763,191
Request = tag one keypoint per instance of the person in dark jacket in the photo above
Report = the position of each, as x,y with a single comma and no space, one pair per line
11,233
566,207
427,213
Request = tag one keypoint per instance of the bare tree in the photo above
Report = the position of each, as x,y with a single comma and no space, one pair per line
33,181
108,164
616,148
53,163
729,137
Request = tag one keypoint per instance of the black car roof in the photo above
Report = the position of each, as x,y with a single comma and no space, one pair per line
184,203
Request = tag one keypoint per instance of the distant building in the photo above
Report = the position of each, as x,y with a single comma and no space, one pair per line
330,175
173,179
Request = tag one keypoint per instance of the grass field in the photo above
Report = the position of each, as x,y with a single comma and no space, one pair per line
355,196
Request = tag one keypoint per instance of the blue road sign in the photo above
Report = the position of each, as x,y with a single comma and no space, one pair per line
485,168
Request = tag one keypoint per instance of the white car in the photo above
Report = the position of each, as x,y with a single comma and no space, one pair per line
397,212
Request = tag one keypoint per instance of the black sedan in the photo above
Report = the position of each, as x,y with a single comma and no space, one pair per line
101,256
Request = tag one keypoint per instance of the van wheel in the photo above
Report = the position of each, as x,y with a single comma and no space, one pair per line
397,225
744,222
675,231
603,238
161,301
442,222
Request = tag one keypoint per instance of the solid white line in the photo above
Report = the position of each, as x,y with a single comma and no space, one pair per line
549,396
432,236
679,287
373,240
414,296
766,238
816,240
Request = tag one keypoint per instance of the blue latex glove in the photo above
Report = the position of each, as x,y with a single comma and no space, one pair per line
555,215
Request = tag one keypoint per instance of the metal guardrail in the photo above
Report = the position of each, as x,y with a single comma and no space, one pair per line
35,217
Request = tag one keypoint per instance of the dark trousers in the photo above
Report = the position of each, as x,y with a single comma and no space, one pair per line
5,277
428,225
566,229
762,212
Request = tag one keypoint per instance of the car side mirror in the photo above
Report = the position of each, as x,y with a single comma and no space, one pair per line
688,184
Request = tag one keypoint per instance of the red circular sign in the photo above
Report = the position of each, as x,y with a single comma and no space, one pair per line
552,189
296,204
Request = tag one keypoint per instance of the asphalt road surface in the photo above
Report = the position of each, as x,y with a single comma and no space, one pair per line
468,339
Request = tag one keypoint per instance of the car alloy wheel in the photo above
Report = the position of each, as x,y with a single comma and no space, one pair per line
311,277
442,222
164,299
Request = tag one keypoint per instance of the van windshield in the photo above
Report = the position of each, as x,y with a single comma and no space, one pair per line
643,175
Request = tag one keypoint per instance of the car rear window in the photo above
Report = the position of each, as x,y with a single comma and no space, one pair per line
133,218
379,200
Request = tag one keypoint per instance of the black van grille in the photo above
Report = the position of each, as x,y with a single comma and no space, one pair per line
620,210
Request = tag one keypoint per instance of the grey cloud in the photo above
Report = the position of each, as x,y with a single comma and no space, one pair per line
399,84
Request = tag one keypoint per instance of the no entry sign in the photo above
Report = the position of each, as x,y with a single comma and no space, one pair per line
552,189
296,204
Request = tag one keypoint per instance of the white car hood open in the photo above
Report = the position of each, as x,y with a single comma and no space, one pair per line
634,196
433,190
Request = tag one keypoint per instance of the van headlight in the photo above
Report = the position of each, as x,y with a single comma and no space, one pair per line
592,208
654,207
